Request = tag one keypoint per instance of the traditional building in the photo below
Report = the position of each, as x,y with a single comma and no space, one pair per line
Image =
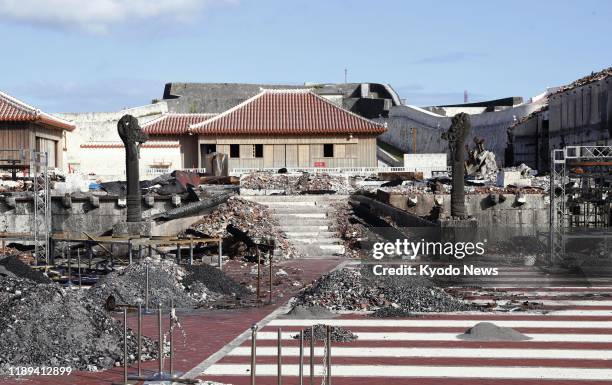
23,127
170,128
289,128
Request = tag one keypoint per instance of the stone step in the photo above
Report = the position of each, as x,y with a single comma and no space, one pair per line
308,234
307,215
296,221
299,227
316,241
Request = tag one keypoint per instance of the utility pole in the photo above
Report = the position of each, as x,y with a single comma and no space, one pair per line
345,76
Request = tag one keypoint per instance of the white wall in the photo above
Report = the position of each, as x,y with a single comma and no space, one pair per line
100,127
425,163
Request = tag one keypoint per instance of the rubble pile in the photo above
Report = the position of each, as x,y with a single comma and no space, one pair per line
186,286
350,232
250,217
359,289
128,285
593,77
12,266
45,325
297,183
213,280
337,334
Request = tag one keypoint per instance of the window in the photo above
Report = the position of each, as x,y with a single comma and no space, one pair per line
328,150
234,151
258,151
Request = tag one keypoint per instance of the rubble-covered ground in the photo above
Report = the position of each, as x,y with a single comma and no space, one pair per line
358,289
169,283
297,183
253,218
46,325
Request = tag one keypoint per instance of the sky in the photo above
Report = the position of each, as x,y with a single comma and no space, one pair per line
105,55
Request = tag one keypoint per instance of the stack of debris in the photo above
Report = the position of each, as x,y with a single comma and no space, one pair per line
481,162
304,183
252,218
45,325
350,231
360,289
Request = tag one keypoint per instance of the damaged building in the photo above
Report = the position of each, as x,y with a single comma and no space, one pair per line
579,114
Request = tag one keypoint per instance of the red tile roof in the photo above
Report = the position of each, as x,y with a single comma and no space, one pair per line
120,145
174,124
282,112
14,110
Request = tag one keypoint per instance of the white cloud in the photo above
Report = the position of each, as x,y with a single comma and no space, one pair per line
97,16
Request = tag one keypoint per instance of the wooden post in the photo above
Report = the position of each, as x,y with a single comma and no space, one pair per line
258,275
191,252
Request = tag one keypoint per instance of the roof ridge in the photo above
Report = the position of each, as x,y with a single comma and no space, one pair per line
19,103
286,90
347,111
226,112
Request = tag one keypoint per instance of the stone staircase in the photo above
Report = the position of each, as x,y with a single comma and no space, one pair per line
305,221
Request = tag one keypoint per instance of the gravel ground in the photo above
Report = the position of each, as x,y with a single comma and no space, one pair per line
45,325
338,334
309,312
358,289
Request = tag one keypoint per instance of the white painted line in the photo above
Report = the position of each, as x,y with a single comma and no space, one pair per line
442,323
407,371
584,354
404,336
549,302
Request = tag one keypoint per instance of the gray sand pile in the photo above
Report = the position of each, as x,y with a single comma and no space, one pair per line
338,334
487,331
129,284
184,286
308,312
46,325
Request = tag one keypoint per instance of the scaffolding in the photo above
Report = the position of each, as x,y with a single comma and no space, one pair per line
580,204
30,165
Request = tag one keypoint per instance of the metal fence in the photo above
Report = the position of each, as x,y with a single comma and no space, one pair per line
343,170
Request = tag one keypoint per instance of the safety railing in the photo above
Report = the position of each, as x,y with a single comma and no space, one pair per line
342,170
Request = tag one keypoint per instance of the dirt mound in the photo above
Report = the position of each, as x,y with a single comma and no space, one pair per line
46,325
16,267
487,331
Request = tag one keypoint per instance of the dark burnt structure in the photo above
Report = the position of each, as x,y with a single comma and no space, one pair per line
456,135
132,137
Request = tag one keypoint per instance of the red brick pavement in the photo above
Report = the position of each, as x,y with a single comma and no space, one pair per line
205,333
